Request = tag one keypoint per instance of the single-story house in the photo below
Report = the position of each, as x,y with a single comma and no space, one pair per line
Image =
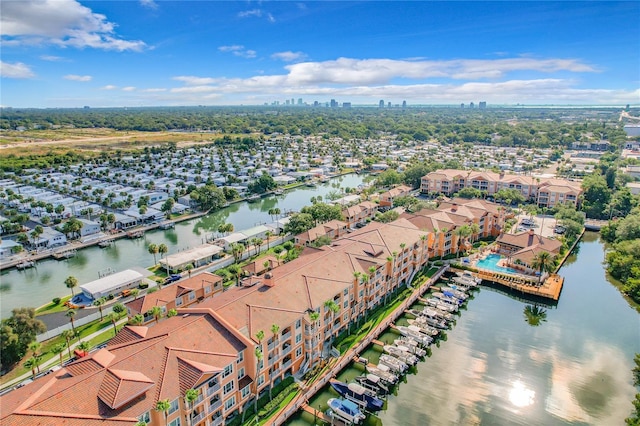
50,238
197,256
89,227
8,248
112,284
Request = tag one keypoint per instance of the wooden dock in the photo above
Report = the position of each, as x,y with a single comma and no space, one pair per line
320,415
549,289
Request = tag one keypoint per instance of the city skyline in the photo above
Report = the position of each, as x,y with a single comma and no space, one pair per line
66,53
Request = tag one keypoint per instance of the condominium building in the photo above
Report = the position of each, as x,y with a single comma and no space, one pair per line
544,191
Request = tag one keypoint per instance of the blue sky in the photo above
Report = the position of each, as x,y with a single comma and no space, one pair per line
68,53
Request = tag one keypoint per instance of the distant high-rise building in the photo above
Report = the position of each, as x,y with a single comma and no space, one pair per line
293,102
299,101
334,104
471,105
315,103
388,104
461,105
346,105
404,104
482,105
286,102
381,103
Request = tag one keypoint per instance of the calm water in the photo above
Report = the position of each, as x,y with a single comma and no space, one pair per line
496,369
491,263
37,286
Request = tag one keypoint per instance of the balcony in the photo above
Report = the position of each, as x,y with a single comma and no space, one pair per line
211,390
273,360
286,335
195,420
287,364
217,421
214,407
198,400
286,350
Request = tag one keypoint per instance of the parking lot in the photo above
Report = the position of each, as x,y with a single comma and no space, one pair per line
544,225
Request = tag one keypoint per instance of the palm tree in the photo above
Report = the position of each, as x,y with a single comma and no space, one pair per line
137,319
275,329
313,316
190,395
462,232
163,405
32,363
534,315
475,230
155,312
71,282
35,347
189,268
153,249
237,250
84,346
134,292
268,234
543,262
114,317
68,335
71,313
58,350
259,356
163,249
100,303
334,308
235,271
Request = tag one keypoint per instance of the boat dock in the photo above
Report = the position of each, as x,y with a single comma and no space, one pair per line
62,255
550,288
322,416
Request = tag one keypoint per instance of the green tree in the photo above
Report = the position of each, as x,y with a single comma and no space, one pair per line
67,335
543,261
596,196
469,192
163,406
190,396
153,249
17,332
163,250
71,314
100,303
322,212
32,363
275,329
71,283
155,312
58,350
263,184
299,223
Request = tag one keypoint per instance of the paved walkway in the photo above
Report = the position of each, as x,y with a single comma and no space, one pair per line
56,360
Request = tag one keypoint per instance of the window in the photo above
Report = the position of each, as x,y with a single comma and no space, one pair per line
240,357
298,352
260,379
230,403
179,301
260,364
298,338
298,323
192,295
346,291
245,392
241,373
345,304
227,370
207,289
174,406
228,387
146,417
175,422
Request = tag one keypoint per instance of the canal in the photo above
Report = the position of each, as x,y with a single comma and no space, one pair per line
37,286
498,367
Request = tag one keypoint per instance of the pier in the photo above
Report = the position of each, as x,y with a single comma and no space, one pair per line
550,288
338,364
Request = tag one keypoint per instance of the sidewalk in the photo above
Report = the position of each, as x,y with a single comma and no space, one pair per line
55,360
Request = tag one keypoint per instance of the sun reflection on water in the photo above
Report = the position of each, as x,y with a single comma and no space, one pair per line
520,395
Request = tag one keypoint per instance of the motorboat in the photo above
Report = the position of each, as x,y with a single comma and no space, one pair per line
25,264
254,198
411,345
469,276
359,395
447,298
415,334
433,322
346,410
436,313
384,373
458,294
373,383
422,327
469,282
402,355
437,303
394,364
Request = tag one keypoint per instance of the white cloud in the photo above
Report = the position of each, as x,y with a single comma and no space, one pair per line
153,90
60,22
52,58
128,89
109,87
288,56
195,81
74,77
149,4
15,70
257,13
238,50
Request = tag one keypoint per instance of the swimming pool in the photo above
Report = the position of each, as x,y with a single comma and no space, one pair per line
491,263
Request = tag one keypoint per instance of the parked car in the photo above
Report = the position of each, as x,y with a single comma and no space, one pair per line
172,278
528,222
559,229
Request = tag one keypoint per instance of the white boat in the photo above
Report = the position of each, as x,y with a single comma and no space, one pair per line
436,313
373,383
346,410
410,345
469,282
394,364
461,295
446,298
440,324
422,327
25,264
400,354
415,334
384,372
469,276
437,303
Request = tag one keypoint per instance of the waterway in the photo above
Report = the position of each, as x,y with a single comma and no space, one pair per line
495,368
37,286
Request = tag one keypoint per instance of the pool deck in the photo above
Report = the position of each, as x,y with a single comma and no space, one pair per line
549,289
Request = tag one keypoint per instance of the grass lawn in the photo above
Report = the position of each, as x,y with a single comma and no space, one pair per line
52,307
83,331
283,404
